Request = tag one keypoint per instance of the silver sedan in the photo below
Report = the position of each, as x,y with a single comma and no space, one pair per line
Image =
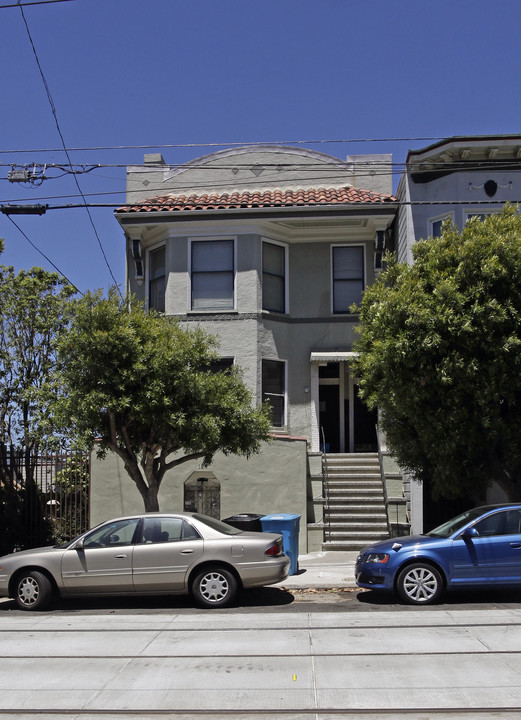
147,554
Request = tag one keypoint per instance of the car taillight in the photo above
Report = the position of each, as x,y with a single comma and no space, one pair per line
273,549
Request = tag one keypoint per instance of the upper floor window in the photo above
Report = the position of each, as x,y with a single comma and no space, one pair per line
273,277
348,276
436,225
274,390
212,274
223,364
479,215
156,279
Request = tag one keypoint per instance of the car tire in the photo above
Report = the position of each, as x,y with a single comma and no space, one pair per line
214,587
33,590
419,584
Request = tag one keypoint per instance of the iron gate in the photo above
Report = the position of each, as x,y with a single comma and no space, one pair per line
44,498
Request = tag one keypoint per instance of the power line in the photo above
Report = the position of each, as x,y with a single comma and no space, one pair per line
44,255
248,143
35,2
384,203
64,147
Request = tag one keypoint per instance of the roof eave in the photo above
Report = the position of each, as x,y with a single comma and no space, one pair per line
373,208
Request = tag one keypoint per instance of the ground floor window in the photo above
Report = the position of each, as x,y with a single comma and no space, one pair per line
274,390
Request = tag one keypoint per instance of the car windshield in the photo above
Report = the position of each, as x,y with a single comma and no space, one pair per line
218,525
454,524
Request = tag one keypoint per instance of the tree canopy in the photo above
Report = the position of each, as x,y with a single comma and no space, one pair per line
35,308
140,385
440,356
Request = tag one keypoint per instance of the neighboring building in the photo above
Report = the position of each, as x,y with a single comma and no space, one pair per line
456,178
268,248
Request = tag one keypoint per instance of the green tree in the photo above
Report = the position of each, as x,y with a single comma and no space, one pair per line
440,356
140,385
34,310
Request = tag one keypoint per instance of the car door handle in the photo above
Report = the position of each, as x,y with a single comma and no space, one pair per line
122,556
187,551
515,545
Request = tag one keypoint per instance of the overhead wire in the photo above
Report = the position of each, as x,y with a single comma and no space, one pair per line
247,143
64,146
33,2
44,255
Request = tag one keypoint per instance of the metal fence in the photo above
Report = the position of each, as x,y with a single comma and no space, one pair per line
45,497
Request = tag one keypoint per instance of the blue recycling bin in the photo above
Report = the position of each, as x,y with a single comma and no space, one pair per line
288,526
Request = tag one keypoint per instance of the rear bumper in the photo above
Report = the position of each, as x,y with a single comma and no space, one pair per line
267,572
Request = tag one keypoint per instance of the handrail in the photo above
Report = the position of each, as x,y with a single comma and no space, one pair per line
382,477
325,485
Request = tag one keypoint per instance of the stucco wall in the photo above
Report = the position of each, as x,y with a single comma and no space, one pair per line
272,482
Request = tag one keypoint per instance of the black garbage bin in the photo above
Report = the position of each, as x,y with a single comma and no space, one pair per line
245,521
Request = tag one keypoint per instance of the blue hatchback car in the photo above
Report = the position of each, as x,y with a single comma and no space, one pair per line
477,549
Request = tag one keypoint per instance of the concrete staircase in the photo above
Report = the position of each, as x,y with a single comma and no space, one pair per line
355,514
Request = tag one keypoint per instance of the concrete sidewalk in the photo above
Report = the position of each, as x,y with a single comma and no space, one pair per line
323,570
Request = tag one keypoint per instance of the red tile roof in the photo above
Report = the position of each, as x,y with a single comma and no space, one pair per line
259,199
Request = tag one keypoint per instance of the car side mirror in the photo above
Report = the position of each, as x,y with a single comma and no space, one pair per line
79,545
469,533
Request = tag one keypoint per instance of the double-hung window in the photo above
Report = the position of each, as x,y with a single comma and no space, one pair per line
156,279
273,277
348,276
212,274
435,225
274,390
480,215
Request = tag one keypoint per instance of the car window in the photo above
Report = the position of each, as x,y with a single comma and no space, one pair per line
114,534
458,522
506,522
167,529
218,525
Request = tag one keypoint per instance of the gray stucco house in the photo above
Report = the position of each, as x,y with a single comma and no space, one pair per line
268,247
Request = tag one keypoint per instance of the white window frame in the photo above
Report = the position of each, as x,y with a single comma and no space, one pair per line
284,246
150,251
332,271
284,395
224,238
436,219
468,214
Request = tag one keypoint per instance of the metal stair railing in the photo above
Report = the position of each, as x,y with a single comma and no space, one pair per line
325,487
382,477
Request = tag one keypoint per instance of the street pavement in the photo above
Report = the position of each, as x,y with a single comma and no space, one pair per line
215,664
325,663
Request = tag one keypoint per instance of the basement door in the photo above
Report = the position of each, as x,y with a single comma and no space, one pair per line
203,495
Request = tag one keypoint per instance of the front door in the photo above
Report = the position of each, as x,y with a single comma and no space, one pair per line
104,563
494,554
346,425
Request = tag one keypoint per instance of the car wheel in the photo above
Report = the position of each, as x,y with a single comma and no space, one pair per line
33,591
214,587
419,584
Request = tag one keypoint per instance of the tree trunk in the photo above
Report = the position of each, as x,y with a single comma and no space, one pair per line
150,499
147,489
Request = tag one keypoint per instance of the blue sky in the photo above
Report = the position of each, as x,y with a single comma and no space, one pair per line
165,73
